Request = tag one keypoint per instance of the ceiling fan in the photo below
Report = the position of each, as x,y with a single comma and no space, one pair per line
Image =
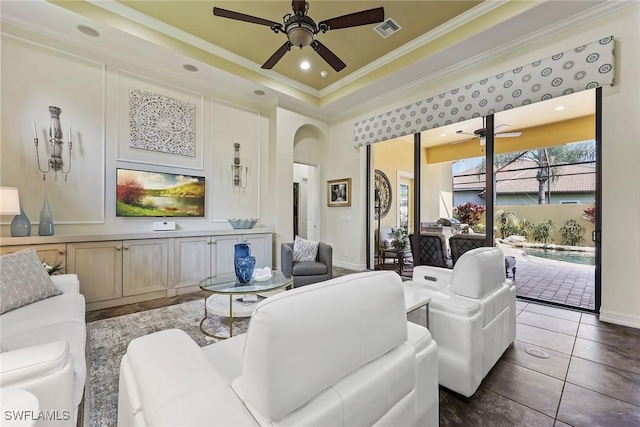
301,30
482,134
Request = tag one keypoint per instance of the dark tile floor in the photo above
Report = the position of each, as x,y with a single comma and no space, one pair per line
591,376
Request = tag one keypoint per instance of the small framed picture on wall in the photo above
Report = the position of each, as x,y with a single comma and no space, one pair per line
339,192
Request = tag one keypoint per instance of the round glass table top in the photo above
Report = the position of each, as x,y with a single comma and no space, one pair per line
228,284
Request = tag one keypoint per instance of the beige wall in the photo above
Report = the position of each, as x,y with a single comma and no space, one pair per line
92,92
558,213
392,157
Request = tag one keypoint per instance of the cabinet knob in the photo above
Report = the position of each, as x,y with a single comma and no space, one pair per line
126,248
61,252
213,242
118,248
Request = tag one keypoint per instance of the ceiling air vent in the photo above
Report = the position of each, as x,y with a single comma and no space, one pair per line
387,28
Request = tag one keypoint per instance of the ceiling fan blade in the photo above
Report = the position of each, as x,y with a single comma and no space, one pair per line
364,17
224,13
464,140
498,128
277,55
328,56
459,132
508,134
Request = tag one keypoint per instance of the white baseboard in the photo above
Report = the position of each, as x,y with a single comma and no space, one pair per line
349,265
623,319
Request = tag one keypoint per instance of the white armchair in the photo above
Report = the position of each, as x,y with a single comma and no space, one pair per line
335,353
471,316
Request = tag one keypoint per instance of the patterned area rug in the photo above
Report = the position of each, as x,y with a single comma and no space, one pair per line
108,340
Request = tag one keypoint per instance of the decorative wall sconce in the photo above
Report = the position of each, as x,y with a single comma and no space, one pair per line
238,172
55,144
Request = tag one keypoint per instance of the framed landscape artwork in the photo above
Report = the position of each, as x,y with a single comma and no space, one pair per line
339,192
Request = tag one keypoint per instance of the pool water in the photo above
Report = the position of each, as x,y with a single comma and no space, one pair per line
576,257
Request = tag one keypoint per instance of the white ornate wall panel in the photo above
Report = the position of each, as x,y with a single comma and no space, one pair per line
159,124
35,77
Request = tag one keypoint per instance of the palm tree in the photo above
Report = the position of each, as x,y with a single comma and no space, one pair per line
545,160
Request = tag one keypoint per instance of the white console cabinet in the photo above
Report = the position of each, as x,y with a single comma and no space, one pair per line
200,257
123,269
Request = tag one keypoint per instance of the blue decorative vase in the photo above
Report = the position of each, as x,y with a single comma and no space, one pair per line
243,262
244,268
46,221
20,225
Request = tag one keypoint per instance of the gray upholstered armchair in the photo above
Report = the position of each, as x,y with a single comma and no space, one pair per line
305,273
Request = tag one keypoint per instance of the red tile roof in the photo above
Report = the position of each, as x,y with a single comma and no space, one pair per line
520,177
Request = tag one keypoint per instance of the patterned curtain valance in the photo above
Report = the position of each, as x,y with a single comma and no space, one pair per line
585,67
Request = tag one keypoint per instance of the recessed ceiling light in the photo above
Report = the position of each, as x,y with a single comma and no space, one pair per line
88,31
443,134
305,65
259,92
323,73
190,67
559,108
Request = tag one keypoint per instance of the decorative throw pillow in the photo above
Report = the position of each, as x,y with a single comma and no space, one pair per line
304,250
23,280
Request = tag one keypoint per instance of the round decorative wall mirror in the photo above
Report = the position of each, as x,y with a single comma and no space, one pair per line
383,194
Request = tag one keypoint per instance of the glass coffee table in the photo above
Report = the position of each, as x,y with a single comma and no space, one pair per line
225,296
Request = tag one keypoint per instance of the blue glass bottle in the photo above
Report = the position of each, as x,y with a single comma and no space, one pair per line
46,221
20,225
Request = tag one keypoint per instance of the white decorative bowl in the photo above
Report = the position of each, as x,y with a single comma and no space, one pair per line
242,223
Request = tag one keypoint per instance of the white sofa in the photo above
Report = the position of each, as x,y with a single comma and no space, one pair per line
472,316
334,353
45,351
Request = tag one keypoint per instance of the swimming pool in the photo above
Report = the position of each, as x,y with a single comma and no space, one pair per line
576,257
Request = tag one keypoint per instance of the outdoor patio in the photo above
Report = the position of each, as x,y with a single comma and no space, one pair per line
555,281
546,280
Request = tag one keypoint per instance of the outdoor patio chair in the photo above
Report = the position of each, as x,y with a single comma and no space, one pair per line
431,249
461,243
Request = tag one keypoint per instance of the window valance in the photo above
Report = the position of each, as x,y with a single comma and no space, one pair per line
585,67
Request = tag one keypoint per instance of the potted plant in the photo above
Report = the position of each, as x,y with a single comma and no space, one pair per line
399,238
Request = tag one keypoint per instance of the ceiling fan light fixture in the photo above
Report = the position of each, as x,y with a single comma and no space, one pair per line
300,35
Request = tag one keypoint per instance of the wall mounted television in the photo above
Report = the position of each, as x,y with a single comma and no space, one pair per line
158,194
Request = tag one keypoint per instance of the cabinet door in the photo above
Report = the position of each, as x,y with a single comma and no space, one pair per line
99,268
222,253
144,266
53,254
192,260
260,248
